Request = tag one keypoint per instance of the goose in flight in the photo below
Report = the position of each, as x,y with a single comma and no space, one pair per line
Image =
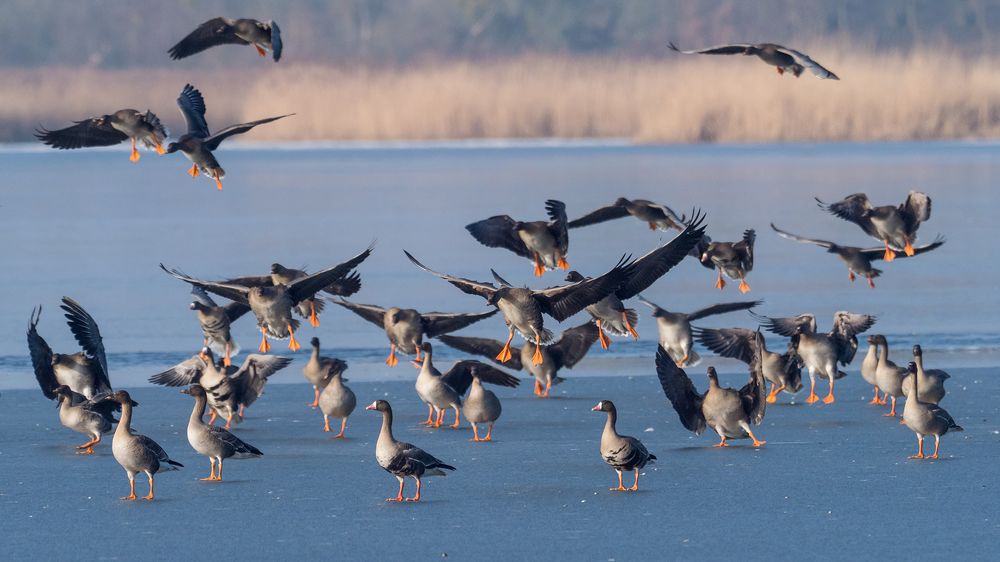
263,35
109,130
783,58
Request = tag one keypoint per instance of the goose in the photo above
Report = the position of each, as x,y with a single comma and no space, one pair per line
895,227
571,347
406,328
229,390
403,460
728,412
782,58
610,313
522,308
675,327
273,305
820,353
215,323
888,375
109,130
735,259
198,144
782,370
307,308
658,217
215,443
84,372
137,453
319,370
337,401
443,391
263,35
545,243
924,418
481,406
621,452
869,367
931,381
858,260
92,418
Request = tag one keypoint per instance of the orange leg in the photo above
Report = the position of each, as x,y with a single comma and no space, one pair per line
683,360
937,445
260,50
545,393
430,416
772,396
601,337
417,358
229,422
876,400
149,496
131,490
893,411
889,254
210,477
722,443
475,432
399,496
315,402
780,70
293,344
562,263
326,423
218,180
908,248
744,287
538,388
343,426
240,414
504,355
88,447
211,417
193,172
850,275
458,420
920,449
635,485
227,359
264,346
440,419
756,443
415,498
621,485
159,149
313,319
391,360
537,358
628,326
829,399
539,269
652,226
489,432
812,394
134,157
720,283
871,282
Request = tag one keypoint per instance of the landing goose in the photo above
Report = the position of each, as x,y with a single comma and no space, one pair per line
782,370
735,259
658,217
109,130
403,460
895,227
621,452
782,58
84,372
263,35
544,242
675,327
215,323
308,308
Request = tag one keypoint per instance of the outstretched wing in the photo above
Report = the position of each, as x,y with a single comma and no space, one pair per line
848,324
88,335
484,347
788,327
235,293
181,374
369,312
853,208
573,345
879,253
305,287
790,236
212,142
253,374
467,286
459,376
41,357
89,132
250,281
644,271
745,249
721,308
276,43
437,323
345,286
201,297
813,66
192,106
498,232
216,31
915,210
752,394
603,214
735,49
565,301
735,343
680,391
558,225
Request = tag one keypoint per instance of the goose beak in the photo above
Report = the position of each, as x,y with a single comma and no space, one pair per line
596,408
370,406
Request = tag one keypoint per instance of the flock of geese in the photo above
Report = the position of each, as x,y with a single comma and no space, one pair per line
279,299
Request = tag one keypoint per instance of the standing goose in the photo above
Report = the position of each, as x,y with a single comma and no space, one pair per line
522,308
443,391
215,323
565,353
137,453
228,390
406,328
319,370
727,411
337,400
925,418
84,372
869,368
92,418
782,370
198,143
820,353
215,443
545,243
658,217
735,259
782,58
621,452
403,460
273,305
931,381
610,313
888,375
308,308
896,227
482,406
858,260
263,35
675,328
109,130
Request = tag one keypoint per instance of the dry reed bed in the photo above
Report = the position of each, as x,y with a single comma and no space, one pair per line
707,99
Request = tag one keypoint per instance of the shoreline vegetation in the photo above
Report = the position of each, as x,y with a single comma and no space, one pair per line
927,95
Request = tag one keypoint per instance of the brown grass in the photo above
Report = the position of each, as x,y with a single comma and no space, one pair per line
680,99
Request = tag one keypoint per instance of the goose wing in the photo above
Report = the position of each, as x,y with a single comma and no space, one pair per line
345,286
181,374
438,323
566,300
236,293
734,49
752,394
722,308
459,377
680,391
816,68
789,326
96,131
484,347
305,287
853,208
915,210
644,271
369,312
88,335
192,106
879,253
467,286
216,31
252,376
603,214
558,225
735,343
499,232
41,357
573,345
212,142
790,236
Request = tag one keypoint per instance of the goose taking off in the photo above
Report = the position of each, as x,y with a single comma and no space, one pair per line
403,460
109,130
926,419
896,227
84,372
545,243
522,308
215,323
443,391
312,306
735,259
782,370
406,328
198,144
215,443
137,453
621,452
675,327
658,217
263,35
782,58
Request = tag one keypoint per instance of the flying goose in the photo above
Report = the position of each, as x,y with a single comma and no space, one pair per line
675,327
215,323
308,308
263,35
198,143
109,130
621,452
931,381
272,305
443,391
403,460
545,243
137,453
84,372
320,370
522,308
782,370
735,259
728,412
337,401
92,418
658,217
214,442
819,352
858,260
895,227
925,418
572,345
610,313
782,58
406,328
